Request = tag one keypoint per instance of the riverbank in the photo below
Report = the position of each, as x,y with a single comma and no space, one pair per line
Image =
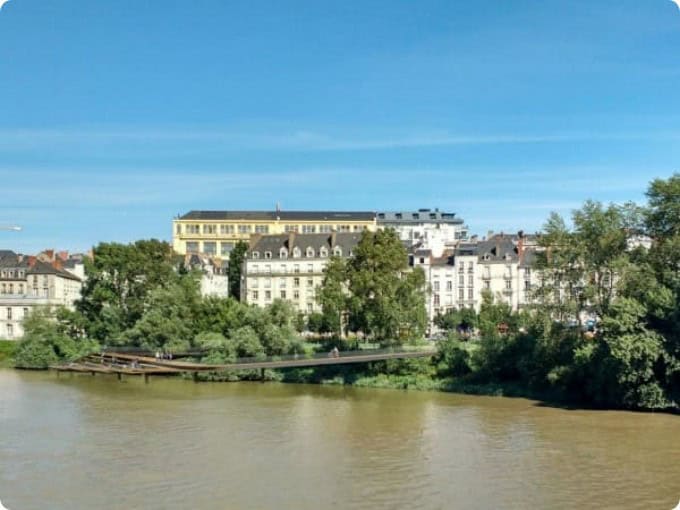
7,351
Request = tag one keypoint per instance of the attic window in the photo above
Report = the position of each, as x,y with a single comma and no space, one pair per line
283,253
416,216
267,254
487,256
256,254
310,252
337,251
297,253
323,252
507,256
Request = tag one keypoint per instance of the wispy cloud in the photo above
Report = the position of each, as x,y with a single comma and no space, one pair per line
304,140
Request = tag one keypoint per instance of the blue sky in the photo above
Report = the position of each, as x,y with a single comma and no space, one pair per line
116,116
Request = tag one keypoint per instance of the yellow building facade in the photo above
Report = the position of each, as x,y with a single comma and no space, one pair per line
215,233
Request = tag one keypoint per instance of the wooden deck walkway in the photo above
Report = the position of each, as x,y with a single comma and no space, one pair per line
132,364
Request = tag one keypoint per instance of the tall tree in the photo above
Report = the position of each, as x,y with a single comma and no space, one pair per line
332,296
119,280
236,257
387,297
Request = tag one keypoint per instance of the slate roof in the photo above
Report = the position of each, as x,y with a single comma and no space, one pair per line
281,215
496,249
38,267
273,243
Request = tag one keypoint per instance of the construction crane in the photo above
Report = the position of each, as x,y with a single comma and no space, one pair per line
14,228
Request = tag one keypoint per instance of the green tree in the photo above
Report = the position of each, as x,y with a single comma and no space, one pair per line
236,257
45,341
387,298
118,281
333,298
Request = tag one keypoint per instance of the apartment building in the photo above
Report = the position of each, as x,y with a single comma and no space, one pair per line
27,282
457,277
215,233
291,266
214,277
426,227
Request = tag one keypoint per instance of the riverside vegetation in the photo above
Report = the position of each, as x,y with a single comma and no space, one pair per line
140,295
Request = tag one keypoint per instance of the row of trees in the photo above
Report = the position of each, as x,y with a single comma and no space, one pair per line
633,358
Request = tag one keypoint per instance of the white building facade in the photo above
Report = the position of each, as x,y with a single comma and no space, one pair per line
425,227
291,267
26,283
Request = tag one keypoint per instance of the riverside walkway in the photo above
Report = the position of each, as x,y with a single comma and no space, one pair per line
135,364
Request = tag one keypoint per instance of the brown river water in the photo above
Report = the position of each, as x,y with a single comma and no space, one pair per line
83,442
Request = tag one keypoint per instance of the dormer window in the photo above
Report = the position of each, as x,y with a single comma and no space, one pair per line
337,251
283,253
323,252
267,254
310,252
297,253
256,254
507,256
487,256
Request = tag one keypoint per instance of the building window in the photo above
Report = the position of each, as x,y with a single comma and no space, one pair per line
226,229
471,280
297,253
461,294
268,282
323,252
192,247
344,228
25,312
256,295
527,285
310,252
310,307
527,273
268,268
193,229
283,268
461,268
436,300
296,282
310,268
337,251
310,282
267,295
487,285
178,229
225,248
296,268
210,248
508,284
9,314
283,294
296,294
282,282
359,228
471,294
210,229
308,229
10,331
290,228
267,254
435,286
461,280
449,285
244,229
262,229
254,282
283,253
325,229
256,254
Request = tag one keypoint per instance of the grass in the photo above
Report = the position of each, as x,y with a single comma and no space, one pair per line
7,350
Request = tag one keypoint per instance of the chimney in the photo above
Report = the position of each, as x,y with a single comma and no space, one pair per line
63,256
31,260
291,242
520,247
334,236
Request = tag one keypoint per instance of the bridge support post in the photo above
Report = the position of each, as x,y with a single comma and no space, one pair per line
93,372
146,378
120,376
194,376
262,374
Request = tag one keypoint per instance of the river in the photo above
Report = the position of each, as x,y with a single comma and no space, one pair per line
83,442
